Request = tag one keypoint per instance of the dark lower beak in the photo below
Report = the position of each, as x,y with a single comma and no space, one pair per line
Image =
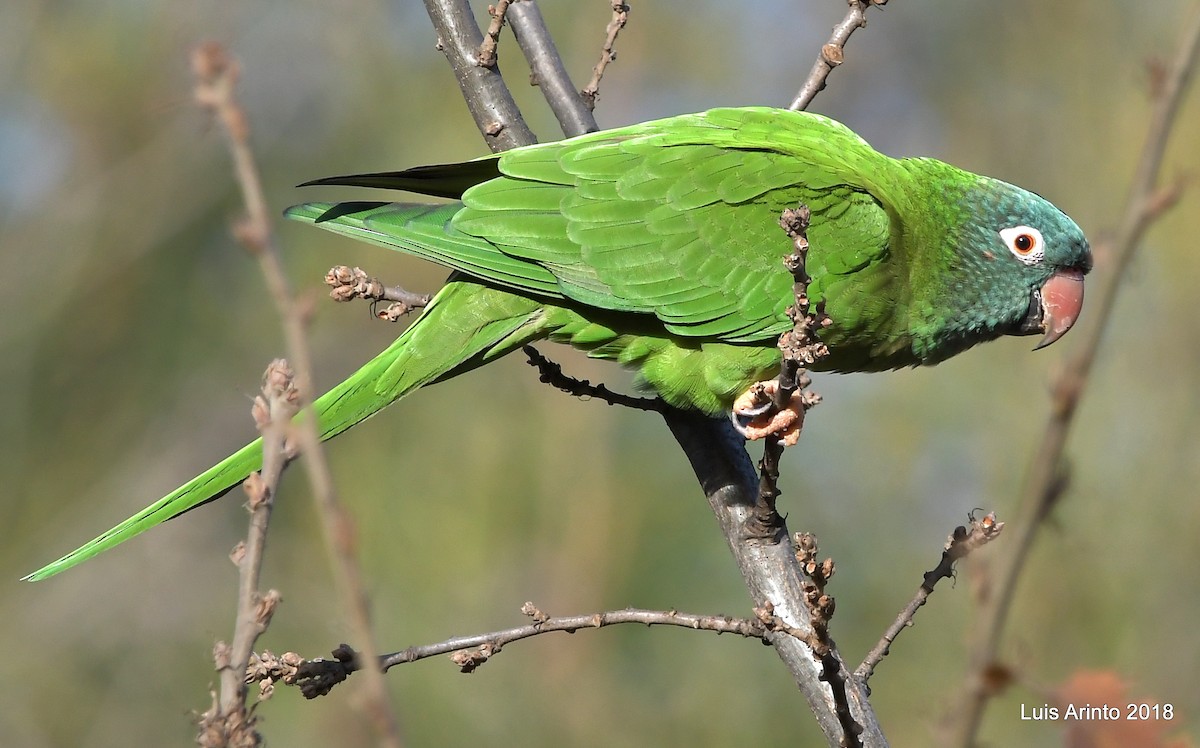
1054,307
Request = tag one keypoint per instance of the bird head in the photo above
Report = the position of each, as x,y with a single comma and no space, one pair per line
1024,260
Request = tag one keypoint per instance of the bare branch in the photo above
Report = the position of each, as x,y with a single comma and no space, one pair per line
491,104
491,643
487,50
767,561
762,525
788,400
228,722
549,74
820,605
216,75
620,16
317,677
833,53
820,608
551,373
961,542
272,412
1045,481
349,283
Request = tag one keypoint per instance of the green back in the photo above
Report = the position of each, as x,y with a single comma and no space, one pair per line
676,220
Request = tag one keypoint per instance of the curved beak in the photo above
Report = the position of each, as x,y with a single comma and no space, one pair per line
1054,307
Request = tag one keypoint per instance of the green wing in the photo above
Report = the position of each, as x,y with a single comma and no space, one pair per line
675,218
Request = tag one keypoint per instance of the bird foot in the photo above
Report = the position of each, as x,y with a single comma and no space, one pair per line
756,416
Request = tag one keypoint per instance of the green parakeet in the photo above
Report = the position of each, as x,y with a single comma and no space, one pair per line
658,246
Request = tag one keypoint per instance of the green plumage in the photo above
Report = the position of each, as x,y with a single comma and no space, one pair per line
658,246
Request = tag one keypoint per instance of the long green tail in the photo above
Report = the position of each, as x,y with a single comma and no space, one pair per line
466,325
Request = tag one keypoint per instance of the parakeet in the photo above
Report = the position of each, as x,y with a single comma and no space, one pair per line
658,246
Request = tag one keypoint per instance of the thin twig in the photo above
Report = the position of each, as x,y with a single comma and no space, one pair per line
961,542
349,283
799,347
820,608
833,52
318,676
768,480
548,73
479,647
551,373
487,50
217,75
820,605
620,16
483,88
1044,482
228,722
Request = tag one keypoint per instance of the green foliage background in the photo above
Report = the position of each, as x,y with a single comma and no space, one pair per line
133,331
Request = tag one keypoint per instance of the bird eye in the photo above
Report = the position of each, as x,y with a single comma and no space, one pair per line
1025,242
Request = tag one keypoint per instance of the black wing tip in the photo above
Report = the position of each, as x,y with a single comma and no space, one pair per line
443,180
345,209
349,180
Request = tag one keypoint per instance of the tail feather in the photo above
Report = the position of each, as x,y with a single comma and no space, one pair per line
465,324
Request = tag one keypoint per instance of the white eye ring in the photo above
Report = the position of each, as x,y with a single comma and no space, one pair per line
1025,242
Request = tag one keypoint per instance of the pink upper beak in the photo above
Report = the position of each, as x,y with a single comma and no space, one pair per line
1061,300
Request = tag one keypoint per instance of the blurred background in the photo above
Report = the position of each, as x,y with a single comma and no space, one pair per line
133,332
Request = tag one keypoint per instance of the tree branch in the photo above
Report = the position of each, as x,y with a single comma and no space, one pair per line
961,542
1045,481
469,652
798,347
228,722
487,50
483,88
349,283
551,373
620,16
570,108
767,561
318,676
217,75
820,609
833,53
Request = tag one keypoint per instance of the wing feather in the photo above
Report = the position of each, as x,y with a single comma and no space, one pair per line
677,217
